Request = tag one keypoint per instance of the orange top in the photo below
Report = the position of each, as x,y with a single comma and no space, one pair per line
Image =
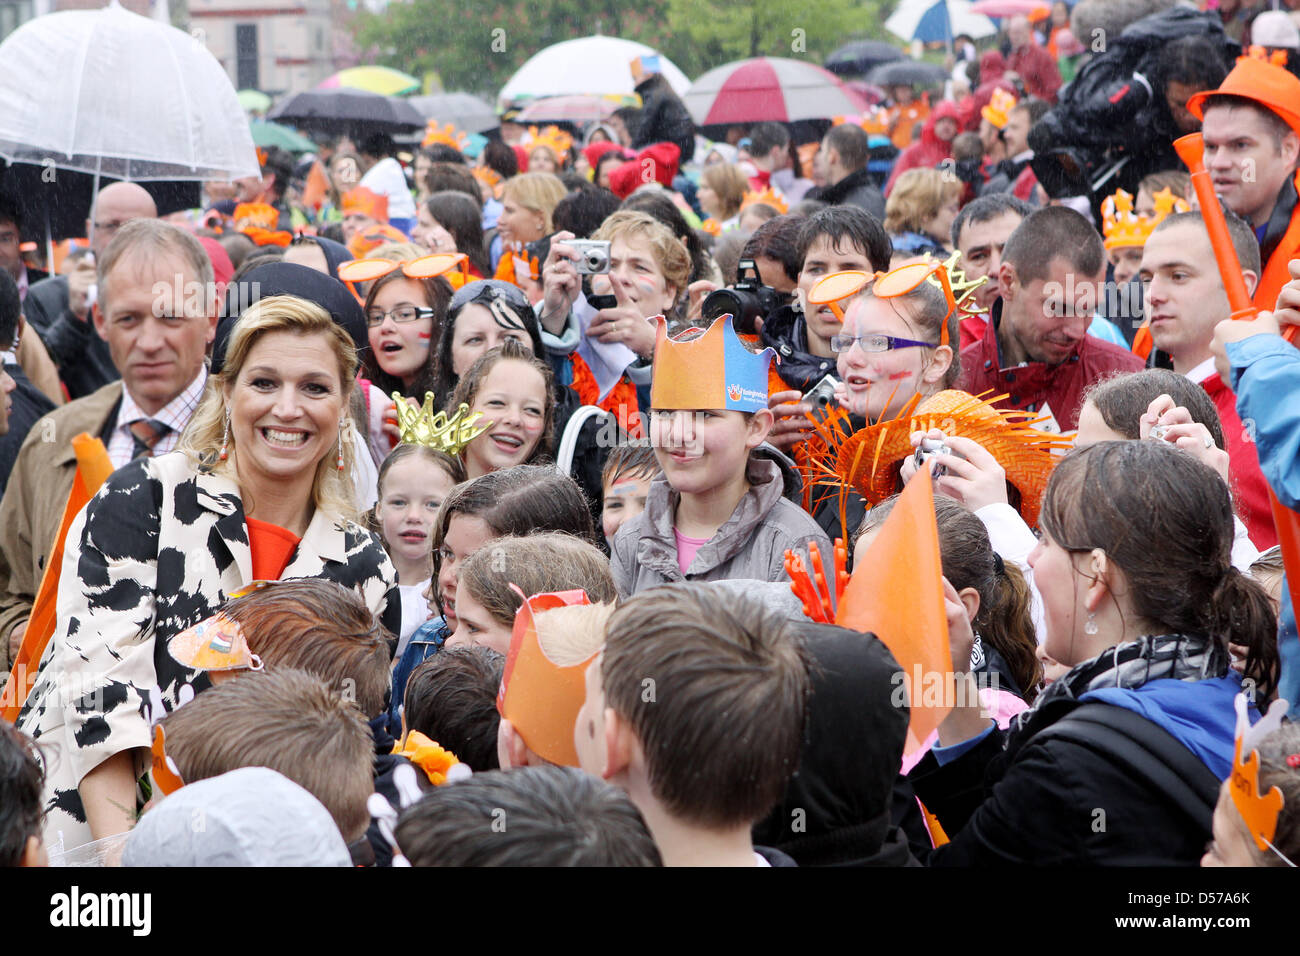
272,548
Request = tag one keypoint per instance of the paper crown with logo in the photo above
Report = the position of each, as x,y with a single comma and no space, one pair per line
215,644
447,135
768,197
869,460
367,202
553,138
422,426
1258,810
165,775
1122,227
999,108
372,237
540,697
710,371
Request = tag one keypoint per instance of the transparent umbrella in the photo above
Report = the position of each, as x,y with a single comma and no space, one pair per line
112,93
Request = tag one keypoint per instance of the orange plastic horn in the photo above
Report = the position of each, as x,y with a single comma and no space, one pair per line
1191,151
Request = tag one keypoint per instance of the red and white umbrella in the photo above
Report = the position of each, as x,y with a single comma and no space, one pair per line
769,88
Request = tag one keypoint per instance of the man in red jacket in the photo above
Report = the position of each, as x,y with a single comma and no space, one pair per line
1185,299
1036,349
1032,62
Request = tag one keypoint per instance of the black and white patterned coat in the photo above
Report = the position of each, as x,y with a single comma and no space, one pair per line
156,551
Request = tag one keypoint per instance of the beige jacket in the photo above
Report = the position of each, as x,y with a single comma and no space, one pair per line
34,501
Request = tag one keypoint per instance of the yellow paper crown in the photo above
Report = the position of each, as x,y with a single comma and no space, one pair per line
553,138
1258,811
448,135
999,108
1122,227
767,197
421,426
962,288
538,696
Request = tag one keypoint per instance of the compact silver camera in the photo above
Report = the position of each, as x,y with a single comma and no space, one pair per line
821,396
928,448
593,256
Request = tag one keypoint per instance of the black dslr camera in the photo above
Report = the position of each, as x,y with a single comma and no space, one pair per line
745,301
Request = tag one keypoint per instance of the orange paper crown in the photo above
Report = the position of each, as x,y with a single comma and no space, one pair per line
869,460
553,138
165,775
712,371
999,108
367,202
1122,227
372,237
1259,811
768,197
447,135
256,214
539,697
215,644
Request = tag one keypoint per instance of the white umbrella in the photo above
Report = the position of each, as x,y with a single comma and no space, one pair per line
111,93
924,20
595,64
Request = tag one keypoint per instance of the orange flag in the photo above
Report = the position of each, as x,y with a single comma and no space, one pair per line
93,468
316,187
896,593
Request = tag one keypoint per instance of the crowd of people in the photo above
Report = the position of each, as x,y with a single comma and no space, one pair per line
452,507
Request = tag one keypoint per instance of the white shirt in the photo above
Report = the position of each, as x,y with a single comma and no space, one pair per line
176,414
386,177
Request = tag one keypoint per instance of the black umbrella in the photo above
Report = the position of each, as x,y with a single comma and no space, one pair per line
344,110
857,59
907,73
463,110
66,197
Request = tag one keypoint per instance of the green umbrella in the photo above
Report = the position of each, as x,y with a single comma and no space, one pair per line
253,101
266,133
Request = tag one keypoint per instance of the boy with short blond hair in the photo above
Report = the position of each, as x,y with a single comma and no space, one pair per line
289,721
696,708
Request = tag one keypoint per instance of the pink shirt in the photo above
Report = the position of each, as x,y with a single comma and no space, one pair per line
686,548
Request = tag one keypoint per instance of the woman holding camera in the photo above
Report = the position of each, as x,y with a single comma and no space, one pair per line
646,276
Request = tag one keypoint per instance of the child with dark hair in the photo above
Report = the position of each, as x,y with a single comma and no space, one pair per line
513,501
452,698
404,318
710,751
625,481
22,814
556,816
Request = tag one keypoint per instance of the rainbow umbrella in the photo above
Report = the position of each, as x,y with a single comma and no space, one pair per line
373,79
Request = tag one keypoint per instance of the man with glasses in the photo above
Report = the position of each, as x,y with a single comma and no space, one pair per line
58,308
1036,349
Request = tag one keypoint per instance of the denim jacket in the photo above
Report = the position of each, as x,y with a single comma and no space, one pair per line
424,643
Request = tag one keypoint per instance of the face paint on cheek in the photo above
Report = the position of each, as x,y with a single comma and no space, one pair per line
898,376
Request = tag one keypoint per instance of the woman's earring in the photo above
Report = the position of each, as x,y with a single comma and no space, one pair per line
340,461
225,441
1090,625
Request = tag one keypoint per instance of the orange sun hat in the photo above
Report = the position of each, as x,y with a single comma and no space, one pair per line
868,460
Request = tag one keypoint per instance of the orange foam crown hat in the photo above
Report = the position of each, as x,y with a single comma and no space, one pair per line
999,108
768,197
869,459
447,135
553,138
1259,811
539,697
711,371
367,202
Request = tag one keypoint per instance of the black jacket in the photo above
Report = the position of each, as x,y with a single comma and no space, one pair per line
29,404
84,361
663,119
855,189
783,331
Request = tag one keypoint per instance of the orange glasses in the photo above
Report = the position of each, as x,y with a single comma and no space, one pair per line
425,267
833,289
